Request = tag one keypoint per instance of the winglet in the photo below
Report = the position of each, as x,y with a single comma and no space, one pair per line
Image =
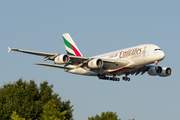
9,49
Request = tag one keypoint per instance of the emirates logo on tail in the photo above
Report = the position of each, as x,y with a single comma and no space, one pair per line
70,46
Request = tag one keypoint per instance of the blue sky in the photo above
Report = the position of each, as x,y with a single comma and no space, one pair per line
96,27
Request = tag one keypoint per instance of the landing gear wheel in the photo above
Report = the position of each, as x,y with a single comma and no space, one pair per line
103,77
126,78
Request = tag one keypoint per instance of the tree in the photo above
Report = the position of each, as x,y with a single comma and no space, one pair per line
16,117
51,112
31,102
105,116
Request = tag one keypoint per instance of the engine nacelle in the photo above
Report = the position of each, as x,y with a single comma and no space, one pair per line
154,72
62,59
95,63
166,71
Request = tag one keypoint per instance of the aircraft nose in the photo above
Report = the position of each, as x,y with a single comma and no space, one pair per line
162,54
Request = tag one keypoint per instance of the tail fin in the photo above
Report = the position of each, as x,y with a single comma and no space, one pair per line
70,46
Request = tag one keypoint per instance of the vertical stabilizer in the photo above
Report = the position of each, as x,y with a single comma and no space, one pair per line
70,46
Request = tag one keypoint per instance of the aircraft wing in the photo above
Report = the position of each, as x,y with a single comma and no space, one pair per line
141,70
75,60
53,55
32,52
56,66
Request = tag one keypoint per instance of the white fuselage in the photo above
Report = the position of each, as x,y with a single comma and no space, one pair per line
137,56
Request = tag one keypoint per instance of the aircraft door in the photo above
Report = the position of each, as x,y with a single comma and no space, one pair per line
146,52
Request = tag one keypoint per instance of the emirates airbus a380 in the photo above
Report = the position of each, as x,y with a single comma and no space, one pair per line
128,61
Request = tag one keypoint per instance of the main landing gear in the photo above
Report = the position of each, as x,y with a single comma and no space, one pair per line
103,77
126,78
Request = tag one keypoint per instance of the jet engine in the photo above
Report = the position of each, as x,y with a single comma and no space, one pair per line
95,63
62,59
166,71
154,72
161,71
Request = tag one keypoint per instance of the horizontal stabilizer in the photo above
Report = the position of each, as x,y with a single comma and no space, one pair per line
57,66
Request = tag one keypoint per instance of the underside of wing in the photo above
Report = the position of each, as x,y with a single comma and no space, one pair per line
141,70
56,66
97,63
79,58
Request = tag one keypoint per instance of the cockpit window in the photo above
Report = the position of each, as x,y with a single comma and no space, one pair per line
157,49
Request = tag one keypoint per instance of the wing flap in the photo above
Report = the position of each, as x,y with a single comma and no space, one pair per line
79,58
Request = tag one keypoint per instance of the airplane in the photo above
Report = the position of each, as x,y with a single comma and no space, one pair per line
129,61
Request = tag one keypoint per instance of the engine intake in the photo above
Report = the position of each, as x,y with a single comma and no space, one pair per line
166,71
95,63
62,59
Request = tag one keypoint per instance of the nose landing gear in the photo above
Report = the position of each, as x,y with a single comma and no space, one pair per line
156,63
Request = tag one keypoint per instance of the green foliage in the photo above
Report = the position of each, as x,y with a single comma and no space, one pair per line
52,112
105,116
16,117
28,101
